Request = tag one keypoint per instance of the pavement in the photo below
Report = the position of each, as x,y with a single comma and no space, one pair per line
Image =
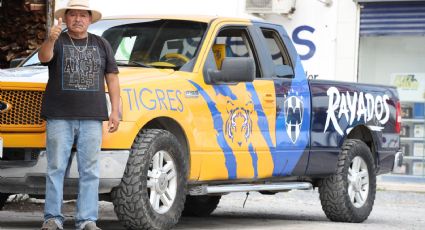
398,205
294,210
402,183
401,186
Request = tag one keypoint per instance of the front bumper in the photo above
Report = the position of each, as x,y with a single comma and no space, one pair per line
31,179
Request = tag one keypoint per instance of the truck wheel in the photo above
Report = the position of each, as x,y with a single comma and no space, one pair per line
200,206
349,194
153,189
3,199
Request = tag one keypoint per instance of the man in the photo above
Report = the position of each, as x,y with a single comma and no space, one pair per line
74,106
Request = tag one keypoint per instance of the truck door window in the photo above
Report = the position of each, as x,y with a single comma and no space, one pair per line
278,53
233,42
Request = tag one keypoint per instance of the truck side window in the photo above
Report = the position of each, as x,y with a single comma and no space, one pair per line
234,42
278,53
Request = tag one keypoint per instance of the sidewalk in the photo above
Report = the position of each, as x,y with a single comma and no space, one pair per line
391,182
400,186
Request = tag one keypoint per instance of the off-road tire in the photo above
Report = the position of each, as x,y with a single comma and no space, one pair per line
3,199
333,190
200,206
131,198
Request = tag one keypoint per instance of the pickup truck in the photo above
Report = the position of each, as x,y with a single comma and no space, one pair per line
210,105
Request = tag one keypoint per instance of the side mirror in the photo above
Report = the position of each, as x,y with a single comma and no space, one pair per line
15,62
233,70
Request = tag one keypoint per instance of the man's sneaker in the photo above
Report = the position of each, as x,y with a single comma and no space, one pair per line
50,225
91,226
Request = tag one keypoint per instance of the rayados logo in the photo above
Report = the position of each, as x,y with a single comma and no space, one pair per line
294,111
356,106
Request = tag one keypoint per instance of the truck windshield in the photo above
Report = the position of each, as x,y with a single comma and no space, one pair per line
156,43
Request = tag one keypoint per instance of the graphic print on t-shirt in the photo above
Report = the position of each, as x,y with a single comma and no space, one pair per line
81,70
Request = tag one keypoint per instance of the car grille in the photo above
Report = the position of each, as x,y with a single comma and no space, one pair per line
24,112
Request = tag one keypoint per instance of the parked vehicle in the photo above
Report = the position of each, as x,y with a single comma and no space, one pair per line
210,106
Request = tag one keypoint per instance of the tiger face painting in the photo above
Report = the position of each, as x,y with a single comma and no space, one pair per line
239,123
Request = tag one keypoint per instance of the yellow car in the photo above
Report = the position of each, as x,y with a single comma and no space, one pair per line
210,105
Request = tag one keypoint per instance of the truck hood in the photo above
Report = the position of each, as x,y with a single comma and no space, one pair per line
25,74
39,74
129,75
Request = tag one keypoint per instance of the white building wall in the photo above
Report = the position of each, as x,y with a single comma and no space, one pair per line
334,37
326,36
312,28
347,40
199,7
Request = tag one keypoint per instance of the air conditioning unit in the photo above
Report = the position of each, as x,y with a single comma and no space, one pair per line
270,6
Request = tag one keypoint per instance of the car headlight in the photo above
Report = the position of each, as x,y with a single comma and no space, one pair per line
109,106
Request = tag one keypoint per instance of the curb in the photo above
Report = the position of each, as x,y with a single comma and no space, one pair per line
403,187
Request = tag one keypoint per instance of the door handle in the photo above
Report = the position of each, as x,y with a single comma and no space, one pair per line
269,98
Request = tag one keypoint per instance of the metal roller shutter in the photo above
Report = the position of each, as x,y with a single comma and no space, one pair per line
389,19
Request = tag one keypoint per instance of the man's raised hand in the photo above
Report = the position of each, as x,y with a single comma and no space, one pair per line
55,31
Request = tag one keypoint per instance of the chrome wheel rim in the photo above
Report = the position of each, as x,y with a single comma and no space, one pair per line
358,182
162,182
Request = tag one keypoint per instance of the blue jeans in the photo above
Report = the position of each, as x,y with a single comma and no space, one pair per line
60,138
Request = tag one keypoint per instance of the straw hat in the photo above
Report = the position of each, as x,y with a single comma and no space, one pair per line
78,5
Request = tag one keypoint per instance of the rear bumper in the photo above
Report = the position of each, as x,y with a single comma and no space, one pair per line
31,179
398,160
388,160
385,161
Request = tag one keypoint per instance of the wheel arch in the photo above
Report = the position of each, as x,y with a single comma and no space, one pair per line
363,133
173,127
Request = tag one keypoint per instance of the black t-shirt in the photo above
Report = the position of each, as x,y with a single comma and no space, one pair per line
76,85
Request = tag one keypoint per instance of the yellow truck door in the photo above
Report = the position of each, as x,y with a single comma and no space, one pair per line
243,113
